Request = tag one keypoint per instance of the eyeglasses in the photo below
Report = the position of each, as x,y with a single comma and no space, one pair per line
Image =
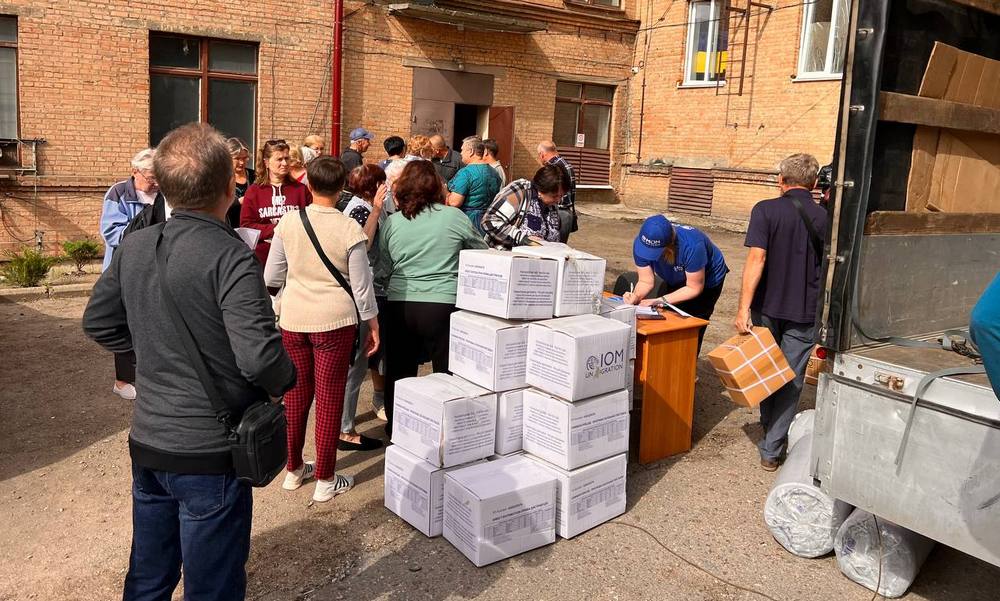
149,178
275,143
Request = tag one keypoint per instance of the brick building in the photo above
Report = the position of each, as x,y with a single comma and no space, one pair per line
84,85
723,93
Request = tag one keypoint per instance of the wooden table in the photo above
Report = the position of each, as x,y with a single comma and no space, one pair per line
666,354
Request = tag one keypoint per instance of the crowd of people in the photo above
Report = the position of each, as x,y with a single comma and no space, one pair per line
353,273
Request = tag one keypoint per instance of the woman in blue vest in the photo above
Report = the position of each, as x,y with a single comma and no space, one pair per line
680,264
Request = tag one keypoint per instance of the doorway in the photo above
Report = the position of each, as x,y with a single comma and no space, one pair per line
470,120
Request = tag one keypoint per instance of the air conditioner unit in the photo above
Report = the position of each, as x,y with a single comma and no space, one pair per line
10,157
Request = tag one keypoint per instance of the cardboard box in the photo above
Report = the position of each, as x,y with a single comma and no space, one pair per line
624,313
499,509
588,496
444,420
630,383
571,435
751,366
504,285
488,351
814,367
510,410
577,357
498,457
579,281
414,490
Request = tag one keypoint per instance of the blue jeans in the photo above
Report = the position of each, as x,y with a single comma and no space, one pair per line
796,341
200,521
355,378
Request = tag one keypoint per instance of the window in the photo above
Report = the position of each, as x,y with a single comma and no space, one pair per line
8,78
196,79
707,41
824,38
583,109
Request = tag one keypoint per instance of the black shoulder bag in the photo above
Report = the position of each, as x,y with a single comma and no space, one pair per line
337,276
814,237
258,442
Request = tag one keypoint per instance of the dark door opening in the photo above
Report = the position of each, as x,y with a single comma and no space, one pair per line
470,120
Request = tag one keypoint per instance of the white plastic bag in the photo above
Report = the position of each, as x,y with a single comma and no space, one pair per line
902,552
800,516
803,423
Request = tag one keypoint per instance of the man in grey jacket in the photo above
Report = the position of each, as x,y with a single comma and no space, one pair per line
187,505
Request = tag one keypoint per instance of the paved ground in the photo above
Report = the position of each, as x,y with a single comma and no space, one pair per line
64,490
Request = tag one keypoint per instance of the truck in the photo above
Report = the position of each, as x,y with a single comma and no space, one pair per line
904,268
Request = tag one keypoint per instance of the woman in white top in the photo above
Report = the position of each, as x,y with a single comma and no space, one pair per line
319,322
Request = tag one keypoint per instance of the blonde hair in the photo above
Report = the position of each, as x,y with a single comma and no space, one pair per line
420,146
313,140
295,159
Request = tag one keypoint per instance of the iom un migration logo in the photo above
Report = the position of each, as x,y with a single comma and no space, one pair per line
605,363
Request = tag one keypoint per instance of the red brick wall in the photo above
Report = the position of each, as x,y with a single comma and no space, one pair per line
84,85
774,117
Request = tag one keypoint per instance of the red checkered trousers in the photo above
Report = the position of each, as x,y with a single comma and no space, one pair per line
321,360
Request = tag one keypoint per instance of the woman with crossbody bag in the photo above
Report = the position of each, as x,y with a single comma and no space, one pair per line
320,257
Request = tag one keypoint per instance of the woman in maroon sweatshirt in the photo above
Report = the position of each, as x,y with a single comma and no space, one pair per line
273,194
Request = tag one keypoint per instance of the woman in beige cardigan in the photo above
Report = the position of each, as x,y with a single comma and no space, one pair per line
318,321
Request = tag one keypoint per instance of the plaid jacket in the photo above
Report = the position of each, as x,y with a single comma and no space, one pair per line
569,199
517,213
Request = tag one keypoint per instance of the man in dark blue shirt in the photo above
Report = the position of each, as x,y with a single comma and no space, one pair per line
781,288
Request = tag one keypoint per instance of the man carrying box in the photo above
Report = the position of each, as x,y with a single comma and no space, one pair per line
781,287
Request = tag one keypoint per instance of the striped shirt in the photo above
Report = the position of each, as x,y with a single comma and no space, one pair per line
517,213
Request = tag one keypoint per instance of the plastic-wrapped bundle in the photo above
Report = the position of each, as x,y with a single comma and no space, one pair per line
902,551
801,517
802,424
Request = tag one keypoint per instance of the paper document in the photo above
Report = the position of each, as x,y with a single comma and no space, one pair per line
676,310
641,311
249,235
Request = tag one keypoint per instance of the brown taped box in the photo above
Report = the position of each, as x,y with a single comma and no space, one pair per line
751,367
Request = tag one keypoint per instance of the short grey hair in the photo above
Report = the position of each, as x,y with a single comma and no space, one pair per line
474,144
546,147
143,160
799,170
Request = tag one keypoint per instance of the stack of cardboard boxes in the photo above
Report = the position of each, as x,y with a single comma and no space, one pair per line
528,438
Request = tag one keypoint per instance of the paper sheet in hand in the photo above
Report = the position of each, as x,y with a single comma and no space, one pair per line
249,235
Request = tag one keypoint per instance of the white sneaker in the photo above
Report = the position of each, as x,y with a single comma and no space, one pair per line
328,489
380,413
295,479
126,392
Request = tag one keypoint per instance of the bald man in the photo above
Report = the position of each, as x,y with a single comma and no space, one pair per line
548,155
446,160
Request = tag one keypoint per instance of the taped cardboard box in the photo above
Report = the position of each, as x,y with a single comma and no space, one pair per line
504,285
588,496
488,351
510,411
499,509
751,366
577,357
624,313
444,420
571,435
579,281
414,490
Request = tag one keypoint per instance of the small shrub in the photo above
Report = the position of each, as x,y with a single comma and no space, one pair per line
81,252
27,268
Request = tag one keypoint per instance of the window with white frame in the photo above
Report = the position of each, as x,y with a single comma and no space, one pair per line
707,41
824,38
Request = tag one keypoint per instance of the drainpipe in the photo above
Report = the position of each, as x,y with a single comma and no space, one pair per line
336,76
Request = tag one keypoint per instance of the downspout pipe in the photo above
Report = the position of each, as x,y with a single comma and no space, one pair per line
337,76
